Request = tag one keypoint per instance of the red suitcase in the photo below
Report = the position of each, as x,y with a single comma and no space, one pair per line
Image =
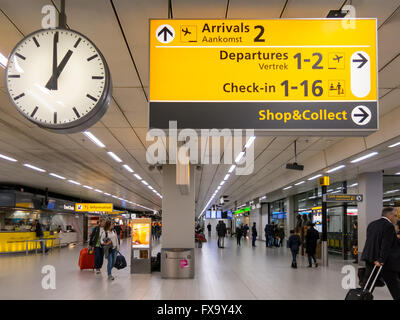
86,259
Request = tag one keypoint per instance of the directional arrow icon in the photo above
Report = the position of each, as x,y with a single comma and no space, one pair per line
361,115
363,60
165,33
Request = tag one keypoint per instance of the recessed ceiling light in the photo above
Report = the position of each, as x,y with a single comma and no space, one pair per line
398,173
394,145
94,139
150,187
114,156
231,168
128,168
336,168
222,183
7,158
97,190
299,183
250,142
226,177
369,155
57,176
353,185
144,182
74,182
287,187
315,177
137,176
87,187
107,194
239,156
33,167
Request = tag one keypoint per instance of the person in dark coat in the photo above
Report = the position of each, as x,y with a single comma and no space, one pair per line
281,235
95,244
269,235
354,242
221,230
294,244
238,235
209,229
382,249
312,237
253,235
37,227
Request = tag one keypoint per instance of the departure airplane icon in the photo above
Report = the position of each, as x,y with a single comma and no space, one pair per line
186,31
337,58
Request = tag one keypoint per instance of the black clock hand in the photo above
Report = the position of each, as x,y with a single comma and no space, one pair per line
60,68
52,85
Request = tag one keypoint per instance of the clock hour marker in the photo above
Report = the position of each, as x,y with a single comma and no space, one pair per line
55,117
98,77
34,111
91,97
77,42
92,57
19,96
20,56
76,112
14,76
36,42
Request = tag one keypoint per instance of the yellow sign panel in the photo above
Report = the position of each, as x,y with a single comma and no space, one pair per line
94,207
323,181
317,61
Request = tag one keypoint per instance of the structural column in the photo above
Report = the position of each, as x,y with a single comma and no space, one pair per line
289,215
370,185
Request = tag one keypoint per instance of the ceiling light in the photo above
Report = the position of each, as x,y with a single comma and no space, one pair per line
34,168
150,187
97,190
107,194
250,142
394,145
3,60
94,139
222,183
386,200
144,182
155,191
239,157
219,187
353,185
392,191
226,177
315,177
330,190
137,176
128,168
231,168
369,155
57,176
264,197
7,158
287,187
114,197
87,187
299,183
398,173
336,169
74,182
114,156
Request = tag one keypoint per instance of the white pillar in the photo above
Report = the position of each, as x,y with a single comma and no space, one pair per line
370,185
178,211
289,215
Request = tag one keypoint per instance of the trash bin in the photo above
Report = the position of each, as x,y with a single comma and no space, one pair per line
177,263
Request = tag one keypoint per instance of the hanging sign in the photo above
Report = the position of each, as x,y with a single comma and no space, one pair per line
276,75
94,207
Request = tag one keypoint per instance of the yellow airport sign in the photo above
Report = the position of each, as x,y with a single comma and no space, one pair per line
94,207
243,69
323,181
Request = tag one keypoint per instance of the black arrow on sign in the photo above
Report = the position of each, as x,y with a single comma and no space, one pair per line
364,115
166,31
363,60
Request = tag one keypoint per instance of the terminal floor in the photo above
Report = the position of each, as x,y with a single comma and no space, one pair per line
231,273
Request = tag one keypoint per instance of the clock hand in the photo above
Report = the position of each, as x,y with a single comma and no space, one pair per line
60,68
53,84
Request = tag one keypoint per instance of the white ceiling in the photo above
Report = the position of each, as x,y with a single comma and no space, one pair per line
123,129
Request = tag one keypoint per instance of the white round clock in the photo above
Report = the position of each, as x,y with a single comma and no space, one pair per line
58,79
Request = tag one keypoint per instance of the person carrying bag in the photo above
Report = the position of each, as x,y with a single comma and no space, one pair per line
109,241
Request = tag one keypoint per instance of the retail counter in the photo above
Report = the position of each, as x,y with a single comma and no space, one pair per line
14,241
66,238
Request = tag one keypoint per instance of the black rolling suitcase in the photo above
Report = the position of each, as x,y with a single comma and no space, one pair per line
366,292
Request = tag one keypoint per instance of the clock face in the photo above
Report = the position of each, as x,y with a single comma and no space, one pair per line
59,80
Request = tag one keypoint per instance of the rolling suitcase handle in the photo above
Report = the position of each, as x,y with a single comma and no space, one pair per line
370,276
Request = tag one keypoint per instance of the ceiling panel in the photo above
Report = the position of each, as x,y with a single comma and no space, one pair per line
255,9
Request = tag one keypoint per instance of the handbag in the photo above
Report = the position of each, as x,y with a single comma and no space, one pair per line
120,261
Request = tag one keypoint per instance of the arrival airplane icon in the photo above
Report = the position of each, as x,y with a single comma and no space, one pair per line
186,31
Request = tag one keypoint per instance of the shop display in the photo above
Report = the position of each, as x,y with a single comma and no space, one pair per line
141,233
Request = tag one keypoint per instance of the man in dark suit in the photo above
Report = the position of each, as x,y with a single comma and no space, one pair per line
381,249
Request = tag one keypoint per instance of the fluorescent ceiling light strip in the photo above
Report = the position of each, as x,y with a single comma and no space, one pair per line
155,191
239,156
57,176
144,182
315,177
287,187
222,183
226,177
33,167
353,185
369,155
74,182
398,173
97,190
394,145
386,200
114,156
250,141
94,139
137,176
3,60
231,168
7,158
128,168
336,169
299,183
150,187
107,194
114,197
87,187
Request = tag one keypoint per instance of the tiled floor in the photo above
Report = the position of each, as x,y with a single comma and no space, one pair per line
230,273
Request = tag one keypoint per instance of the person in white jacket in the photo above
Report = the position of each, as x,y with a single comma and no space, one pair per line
109,240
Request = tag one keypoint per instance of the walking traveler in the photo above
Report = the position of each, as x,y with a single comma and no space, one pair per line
312,237
281,235
238,234
209,229
293,244
110,244
95,243
221,231
268,235
37,227
253,235
382,249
